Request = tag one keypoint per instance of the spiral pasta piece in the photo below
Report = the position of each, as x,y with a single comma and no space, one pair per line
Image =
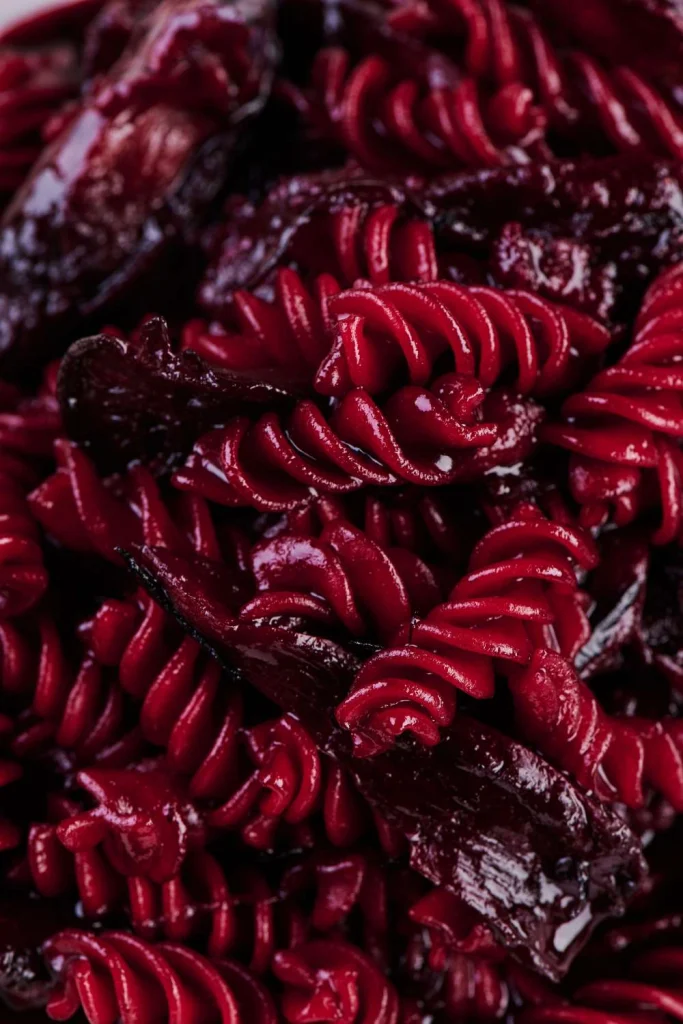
624,430
27,430
330,980
235,914
405,329
87,514
114,976
520,594
271,777
341,577
519,94
617,757
380,433
387,120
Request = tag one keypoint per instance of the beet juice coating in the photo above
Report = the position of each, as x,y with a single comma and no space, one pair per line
163,128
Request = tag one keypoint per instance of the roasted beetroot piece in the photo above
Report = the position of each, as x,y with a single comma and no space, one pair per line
560,862
40,71
574,232
139,163
150,402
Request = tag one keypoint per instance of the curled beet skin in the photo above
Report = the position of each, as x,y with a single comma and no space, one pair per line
488,818
133,170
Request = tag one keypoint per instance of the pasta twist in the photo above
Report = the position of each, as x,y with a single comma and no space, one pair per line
379,432
278,463
355,242
424,524
113,976
624,430
330,980
340,577
520,594
520,95
387,120
87,514
619,758
235,914
406,329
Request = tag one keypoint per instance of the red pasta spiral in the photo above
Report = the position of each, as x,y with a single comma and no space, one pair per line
330,980
80,709
261,780
624,430
87,514
423,523
340,577
278,462
405,330
27,430
34,84
519,595
235,914
594,107
413,432
389,119
114,976
617,757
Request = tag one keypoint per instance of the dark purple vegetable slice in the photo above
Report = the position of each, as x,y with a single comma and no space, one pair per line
542,862
133,170
128,400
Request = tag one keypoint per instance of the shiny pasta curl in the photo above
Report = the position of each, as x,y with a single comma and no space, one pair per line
425,524
624,431
267,778
87,514
619,758
81,710
114,976
329,980
341,577
376,432
27,431
225,915
584,103
387,121
520,594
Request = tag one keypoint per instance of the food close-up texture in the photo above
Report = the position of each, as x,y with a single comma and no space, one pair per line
341,512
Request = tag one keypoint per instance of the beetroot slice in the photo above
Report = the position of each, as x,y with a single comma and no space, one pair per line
487,817
139,163
124,401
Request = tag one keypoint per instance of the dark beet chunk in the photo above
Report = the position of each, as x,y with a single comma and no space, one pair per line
139,400
133,170
542,862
